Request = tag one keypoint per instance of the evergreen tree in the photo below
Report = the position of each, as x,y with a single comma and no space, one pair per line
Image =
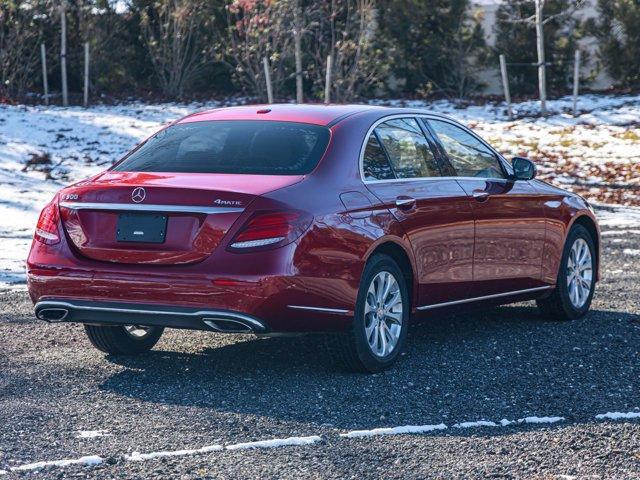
617,27
440,44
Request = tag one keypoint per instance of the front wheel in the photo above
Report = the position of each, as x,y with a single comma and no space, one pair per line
123,340
576,281
380,323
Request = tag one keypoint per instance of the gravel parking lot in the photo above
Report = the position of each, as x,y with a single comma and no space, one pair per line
61,399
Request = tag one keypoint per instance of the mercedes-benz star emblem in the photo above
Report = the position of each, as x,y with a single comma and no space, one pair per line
138,194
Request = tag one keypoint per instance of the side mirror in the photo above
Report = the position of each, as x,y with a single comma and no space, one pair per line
523,168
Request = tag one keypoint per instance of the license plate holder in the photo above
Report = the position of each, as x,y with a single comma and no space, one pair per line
141,228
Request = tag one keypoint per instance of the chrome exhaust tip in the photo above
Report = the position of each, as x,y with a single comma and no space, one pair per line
227,325
52,315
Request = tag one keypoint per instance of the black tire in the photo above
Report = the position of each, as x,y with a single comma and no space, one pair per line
351,349
558,305
116,340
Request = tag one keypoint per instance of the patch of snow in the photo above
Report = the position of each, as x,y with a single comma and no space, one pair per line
610,233
631,251
504,422
276,442
479,423
618,217
541,419
90,460
140,457
93,433
394,430
618,415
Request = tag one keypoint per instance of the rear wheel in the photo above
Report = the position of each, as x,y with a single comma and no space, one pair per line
576,281
123,340
380,323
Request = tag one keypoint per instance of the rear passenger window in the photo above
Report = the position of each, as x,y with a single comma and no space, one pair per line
407,148
375,163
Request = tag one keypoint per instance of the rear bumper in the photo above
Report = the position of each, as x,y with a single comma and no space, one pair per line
115,313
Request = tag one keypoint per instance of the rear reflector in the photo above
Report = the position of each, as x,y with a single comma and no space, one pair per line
47,227
270,229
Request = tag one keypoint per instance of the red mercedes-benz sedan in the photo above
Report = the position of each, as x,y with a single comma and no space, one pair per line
353,220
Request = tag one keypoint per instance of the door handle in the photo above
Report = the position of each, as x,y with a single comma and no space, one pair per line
480,195
405,203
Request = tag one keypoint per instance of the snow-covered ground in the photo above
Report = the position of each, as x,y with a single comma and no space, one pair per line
596,153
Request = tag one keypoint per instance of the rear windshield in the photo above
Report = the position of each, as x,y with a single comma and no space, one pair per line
249,147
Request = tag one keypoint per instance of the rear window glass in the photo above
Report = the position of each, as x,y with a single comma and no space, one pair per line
249,147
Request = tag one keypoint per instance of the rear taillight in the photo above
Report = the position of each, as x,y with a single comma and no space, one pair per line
270,229
47,227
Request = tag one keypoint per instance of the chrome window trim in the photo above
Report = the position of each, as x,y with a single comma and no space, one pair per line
148,207
485,297
503,162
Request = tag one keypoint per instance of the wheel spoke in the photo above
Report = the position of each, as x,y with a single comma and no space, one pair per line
395,317
394,300
383,339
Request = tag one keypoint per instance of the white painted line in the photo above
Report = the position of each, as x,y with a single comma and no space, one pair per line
140,457
90,460
92,433
617,415
394,430
276,442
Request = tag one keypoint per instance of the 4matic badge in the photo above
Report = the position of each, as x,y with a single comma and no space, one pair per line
228,203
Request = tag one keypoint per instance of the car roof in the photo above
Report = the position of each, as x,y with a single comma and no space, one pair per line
317,114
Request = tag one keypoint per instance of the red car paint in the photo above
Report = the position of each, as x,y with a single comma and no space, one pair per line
456,247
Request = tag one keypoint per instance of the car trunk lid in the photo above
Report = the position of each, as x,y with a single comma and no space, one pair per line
158,218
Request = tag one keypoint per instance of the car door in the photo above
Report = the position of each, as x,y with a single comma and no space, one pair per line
509,214
400,168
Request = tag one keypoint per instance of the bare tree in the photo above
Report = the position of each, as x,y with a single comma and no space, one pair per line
171,30
346,29
18,47
258,29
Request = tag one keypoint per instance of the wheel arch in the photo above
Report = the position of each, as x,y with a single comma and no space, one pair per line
402,257
590,225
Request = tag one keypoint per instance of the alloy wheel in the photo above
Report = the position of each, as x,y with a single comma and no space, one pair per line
579,273
383,314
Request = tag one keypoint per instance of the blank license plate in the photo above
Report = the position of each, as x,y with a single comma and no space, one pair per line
145,227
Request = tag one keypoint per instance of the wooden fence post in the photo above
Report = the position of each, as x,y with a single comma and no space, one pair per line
86,74
63,55
267,77
45,80
576,81
505,85
327,81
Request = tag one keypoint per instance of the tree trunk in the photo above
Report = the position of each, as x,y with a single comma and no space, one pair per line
63,55
297,37
542,74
